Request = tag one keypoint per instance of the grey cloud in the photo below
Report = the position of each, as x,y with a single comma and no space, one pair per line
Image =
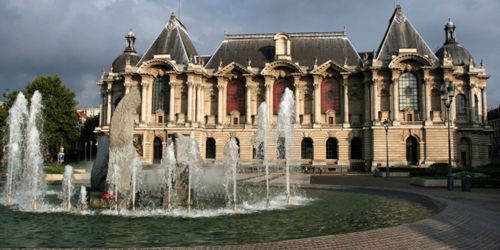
77,39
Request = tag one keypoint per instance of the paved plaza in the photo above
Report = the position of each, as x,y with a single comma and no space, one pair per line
468,220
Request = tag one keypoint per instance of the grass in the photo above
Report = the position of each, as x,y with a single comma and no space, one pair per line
54,169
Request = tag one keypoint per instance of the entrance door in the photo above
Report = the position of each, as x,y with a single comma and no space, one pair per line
412,150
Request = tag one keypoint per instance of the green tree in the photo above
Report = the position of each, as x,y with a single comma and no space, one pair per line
60,122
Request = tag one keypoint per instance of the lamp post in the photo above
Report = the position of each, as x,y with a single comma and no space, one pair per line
386,124
447,94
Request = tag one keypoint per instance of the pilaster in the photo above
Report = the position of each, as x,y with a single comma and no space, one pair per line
395,96
345,88
318,79
269,83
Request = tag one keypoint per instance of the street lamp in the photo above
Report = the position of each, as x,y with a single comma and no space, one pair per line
447,94
386,124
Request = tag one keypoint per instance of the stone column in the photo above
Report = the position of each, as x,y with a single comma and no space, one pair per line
269,83
345,88
149,98
108,101
190,103
484,106
375,98
366,92
202,103
317,99
248,108
428,98
171,111
219,104
395,96
144,101
472,103
298,93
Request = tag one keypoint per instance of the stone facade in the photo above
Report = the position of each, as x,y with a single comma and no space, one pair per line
342,96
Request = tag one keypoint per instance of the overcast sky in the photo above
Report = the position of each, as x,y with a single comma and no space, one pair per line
77,39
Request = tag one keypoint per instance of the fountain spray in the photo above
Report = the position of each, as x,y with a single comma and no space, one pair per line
260,143
83,199
16,121
285,120
67,188
34,159
171,164
231,158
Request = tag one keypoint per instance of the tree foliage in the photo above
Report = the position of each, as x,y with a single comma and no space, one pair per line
60,121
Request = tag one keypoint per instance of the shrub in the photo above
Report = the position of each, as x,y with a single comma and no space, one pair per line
489,169
54,169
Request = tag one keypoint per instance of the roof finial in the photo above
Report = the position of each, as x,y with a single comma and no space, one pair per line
315,62
220,63
130,41
449,30
481,63
249,61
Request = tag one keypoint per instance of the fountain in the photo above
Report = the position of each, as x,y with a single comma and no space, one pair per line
185,192
82,203
231,159
24,158
285,120
260,141
67,187
16,121
170,166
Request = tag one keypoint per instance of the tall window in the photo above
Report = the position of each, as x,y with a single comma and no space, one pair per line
385,101
461,105
330,95
307,148
332,151
476,107
161,94
279,88
236,97
210,148
157,150
408,91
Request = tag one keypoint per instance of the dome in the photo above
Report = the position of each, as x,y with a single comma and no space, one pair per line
458,54
118,65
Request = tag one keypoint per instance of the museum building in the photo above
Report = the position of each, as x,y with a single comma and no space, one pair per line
342,96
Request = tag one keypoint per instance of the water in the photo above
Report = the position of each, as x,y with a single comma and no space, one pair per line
171,164
82,203
25,181
231,159
67,187
322,213
286,116
16,122
260,140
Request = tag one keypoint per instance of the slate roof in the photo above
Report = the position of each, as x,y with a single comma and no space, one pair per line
118,65
402,34
173,40
305,47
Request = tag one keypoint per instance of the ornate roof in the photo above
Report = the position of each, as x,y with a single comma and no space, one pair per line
402,35
452,49
173,40
306,49
129,55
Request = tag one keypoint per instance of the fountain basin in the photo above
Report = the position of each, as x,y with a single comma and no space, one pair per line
323,212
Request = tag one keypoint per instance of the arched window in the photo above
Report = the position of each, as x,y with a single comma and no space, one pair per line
435,100
332,149
279,88
236,97
356,149
157,150
210,148
330,95
307,148
408,91
281,148
161,94
461,105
